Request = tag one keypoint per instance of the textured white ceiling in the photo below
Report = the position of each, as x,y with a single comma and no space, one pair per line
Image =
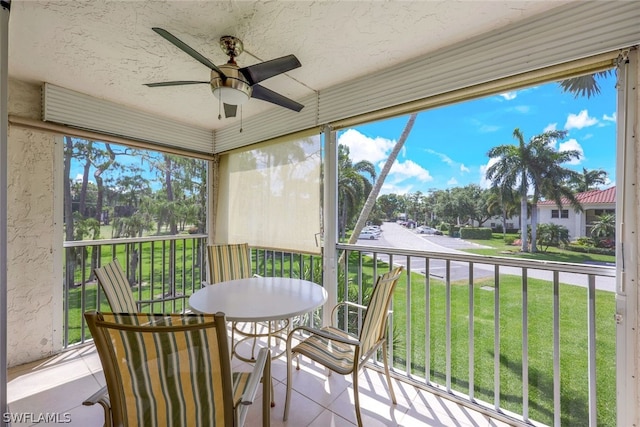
107,49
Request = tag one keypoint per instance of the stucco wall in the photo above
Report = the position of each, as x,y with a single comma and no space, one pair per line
34,317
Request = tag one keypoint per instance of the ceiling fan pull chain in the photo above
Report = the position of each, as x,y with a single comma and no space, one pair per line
219,108
240,118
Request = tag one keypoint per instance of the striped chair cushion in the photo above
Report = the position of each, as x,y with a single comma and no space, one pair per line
229,262
337,356
375,319
172,378
240,381
116,287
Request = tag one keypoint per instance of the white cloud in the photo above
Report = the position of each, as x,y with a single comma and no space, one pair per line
484,182
452,182
388,188
509,95
550,127
580,120
611,118
446,159
522,108
362,147
572,144
463,168
488,128
409,169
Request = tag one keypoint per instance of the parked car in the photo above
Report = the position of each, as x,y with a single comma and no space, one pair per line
373,228
367,234
423,229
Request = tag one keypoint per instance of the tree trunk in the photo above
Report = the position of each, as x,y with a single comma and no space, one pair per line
504,224
169,187
523,215
373,195
82,205
534,225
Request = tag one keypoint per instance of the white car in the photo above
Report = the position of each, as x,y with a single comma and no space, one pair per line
368,234
373,229
423,229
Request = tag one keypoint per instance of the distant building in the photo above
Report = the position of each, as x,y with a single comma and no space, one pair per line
594,203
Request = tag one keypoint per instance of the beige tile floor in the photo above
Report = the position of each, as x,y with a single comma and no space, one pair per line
59,385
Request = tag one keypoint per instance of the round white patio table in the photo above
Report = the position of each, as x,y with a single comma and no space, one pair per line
259,299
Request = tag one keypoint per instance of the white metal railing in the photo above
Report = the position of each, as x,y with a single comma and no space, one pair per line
438,284
165,269
426,320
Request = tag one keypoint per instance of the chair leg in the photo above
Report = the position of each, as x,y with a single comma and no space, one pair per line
356,398
254,330
267,390
289,380
386,372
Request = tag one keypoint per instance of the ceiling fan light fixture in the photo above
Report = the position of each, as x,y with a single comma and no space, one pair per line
230,95
234,90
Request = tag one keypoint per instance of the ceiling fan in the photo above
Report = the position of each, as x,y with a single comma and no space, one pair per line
231,84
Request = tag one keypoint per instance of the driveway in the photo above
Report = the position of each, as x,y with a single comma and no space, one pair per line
396,236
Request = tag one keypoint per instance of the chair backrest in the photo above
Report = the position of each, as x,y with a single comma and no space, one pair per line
229,262
165,369
375,319
116,287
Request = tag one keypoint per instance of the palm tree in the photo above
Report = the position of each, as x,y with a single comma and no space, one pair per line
353,185
548,176
536,166
373,195
588,180
505,201
510,171
583,85
604,227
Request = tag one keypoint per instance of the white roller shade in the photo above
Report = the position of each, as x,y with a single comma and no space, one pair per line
269,195
81,111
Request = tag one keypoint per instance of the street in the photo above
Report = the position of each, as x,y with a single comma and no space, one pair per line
396,236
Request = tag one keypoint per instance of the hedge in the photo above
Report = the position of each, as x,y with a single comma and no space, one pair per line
591,250
480,233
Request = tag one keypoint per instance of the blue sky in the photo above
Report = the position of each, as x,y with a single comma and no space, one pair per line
448,146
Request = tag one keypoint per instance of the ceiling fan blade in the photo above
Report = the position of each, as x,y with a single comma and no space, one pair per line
264,70
230,110
261,92
189,51
176,83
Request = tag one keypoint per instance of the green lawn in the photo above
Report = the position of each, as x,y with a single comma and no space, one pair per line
573,331
499,248
573,342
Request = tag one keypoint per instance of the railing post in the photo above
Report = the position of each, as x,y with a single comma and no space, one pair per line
330,226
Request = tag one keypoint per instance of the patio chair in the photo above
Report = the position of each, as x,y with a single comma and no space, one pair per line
342,352
231,262
116,288
175,370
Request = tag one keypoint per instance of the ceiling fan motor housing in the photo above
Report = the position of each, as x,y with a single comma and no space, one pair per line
234,90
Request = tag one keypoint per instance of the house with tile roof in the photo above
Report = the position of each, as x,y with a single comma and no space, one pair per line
594,203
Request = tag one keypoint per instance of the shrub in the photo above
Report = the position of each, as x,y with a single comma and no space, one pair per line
454,231
583,241
552,235
509,240
479,233
590,250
